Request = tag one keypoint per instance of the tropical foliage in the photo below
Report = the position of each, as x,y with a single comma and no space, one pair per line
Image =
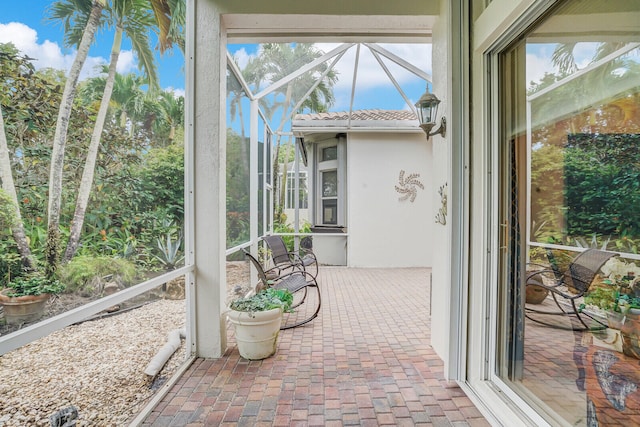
87,161
33,285
585,159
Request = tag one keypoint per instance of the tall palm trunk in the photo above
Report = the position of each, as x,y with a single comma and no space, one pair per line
60,137
243,146
282,191
8,185
92,153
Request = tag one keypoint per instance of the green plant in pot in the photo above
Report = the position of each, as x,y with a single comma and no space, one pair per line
24,298
257,320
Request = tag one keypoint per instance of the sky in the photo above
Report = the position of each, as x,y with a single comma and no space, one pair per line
25,24
31,32
35,36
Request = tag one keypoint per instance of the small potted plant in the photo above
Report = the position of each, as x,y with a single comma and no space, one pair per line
257,320
25,298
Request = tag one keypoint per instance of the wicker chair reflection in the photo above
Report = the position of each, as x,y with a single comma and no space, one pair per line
284,261
579,274
298,282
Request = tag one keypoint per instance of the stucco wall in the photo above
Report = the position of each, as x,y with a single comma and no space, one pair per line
383,230
441,274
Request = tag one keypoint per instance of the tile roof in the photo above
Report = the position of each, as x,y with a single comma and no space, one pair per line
359,115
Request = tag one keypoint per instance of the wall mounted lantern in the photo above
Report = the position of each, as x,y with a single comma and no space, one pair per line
427,108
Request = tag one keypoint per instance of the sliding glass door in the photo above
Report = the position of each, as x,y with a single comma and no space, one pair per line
569,180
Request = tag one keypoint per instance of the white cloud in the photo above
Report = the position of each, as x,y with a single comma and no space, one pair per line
370,74
126,62
537,65
539,58
47,54
242,58
584,53
176,92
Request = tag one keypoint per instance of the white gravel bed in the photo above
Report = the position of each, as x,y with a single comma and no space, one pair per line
96,366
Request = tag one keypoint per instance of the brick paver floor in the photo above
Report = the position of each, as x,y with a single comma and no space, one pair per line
366,360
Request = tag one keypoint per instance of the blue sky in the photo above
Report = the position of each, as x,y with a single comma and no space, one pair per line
29,30
24,23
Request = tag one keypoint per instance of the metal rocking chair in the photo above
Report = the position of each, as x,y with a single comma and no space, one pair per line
295,281
284,260
579,274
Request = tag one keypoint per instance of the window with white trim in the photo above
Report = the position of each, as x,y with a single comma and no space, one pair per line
330,183
303,198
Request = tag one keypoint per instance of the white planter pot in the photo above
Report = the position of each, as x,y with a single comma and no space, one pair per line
256,332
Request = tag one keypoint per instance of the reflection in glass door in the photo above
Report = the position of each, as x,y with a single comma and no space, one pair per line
570,181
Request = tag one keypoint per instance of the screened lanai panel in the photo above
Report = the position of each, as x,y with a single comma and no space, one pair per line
264,165
238,163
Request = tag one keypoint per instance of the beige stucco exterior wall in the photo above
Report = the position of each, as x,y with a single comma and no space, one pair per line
383,230
441,278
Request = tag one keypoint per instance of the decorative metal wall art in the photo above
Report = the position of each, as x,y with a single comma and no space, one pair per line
408,186
441,216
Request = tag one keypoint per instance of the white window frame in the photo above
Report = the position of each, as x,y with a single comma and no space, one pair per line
339,165
500,23
290,199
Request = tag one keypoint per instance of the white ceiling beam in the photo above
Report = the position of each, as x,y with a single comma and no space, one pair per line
253,28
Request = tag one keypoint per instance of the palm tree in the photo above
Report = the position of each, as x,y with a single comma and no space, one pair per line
9,187
170,16
127,97
278,60
133,18
171,114
18,69
236,94
81,19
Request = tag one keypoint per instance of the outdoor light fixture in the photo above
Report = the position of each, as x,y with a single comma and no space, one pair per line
427,107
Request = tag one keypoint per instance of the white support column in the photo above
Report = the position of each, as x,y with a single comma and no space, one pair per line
189,214
296,193
207,94
253,175
265,184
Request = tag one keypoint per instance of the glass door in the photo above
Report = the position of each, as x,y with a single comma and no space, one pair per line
569,150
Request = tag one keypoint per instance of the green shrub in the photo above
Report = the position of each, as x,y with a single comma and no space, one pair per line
84,272
7,212
283,227
33,285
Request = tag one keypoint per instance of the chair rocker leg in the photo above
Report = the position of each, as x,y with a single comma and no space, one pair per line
304,297
310,318
576,315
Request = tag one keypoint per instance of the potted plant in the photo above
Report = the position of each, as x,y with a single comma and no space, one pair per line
257,320
618,298
25,298
614,296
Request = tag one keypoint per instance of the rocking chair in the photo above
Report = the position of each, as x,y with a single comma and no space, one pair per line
283,260
297,282
578,277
